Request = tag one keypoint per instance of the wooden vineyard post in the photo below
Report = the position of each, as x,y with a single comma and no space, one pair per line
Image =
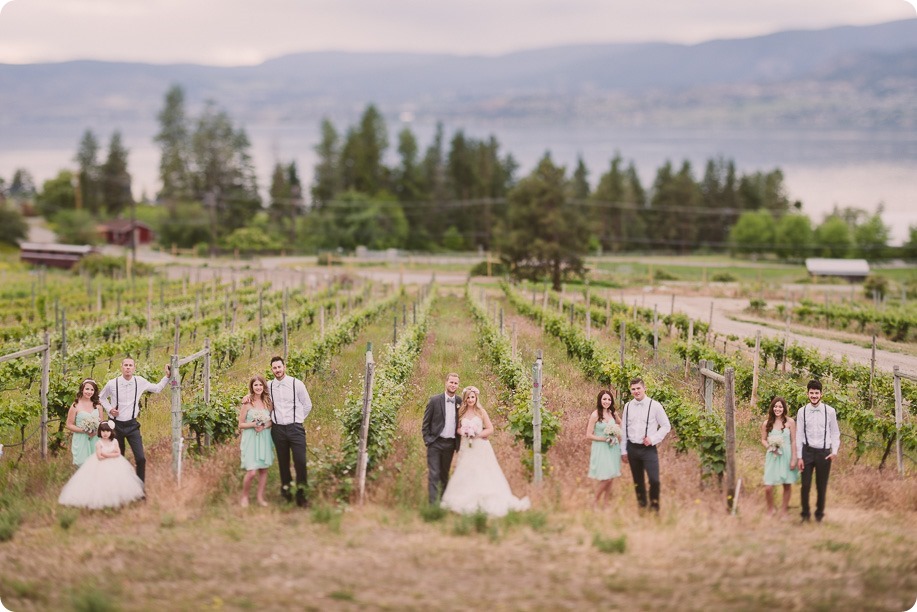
363,457
623,335
537,372
730,438
689,341
872,372
207,382
754,374
175,385
63,340
283,316
45,382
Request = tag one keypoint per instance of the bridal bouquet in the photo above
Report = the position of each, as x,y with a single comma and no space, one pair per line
612,432
775,445
91,425
469,430
261,420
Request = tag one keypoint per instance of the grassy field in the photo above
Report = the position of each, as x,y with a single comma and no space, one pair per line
193,548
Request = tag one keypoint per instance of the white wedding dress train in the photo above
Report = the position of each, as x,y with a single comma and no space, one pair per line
478,483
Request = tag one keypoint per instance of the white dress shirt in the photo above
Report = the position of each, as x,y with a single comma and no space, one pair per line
289,396
645,418
817,427
449,426
126,394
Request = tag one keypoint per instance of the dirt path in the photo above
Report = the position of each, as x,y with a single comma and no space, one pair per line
404,476
724,323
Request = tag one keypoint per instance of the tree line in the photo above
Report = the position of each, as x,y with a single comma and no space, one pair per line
457,193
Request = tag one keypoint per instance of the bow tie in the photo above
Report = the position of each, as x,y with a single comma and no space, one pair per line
451,400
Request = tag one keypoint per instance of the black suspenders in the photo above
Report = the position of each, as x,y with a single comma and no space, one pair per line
274,404
118,399
805,434
648,411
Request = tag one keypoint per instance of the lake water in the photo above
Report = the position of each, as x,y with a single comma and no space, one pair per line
821,168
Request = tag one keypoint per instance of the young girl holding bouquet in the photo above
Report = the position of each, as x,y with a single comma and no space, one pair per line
778,436
604,432
106,479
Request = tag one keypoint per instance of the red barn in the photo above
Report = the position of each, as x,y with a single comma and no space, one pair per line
119,232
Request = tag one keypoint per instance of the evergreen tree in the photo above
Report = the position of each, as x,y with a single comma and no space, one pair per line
114,178
175,144
222,171
87,158
409,184
764,190
720,202
361,156
433,169
581,189
326,182
281,193
543,232
674,209
617,203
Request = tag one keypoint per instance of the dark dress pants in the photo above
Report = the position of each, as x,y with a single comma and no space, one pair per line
290,440
815,459
130,430
644,461
439,462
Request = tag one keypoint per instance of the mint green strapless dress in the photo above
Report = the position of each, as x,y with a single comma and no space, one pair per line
257,446
777,468
605,458
82,445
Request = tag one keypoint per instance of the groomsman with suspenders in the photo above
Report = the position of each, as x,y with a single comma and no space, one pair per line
291,407
817,442
126,390
645,426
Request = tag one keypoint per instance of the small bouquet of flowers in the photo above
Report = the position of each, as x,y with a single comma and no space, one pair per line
775,445
612,433
469,429
91,425
261,419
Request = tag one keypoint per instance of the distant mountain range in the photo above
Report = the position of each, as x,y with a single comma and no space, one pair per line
844,77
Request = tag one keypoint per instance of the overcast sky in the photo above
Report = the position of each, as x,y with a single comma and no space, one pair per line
233,32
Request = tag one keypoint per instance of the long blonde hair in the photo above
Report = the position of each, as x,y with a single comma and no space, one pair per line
477,404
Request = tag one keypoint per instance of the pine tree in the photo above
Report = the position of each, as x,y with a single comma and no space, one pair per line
115,179
543,232
326,182
87,158
175,143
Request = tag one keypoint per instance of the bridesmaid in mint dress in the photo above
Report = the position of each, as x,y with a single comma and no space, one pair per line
605,456
778,436
257,446
84,415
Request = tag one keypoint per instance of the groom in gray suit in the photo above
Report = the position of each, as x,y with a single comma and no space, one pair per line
439,435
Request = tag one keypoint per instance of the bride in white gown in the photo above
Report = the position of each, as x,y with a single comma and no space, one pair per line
478,482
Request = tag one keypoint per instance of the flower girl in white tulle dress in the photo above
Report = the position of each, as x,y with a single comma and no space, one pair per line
106,479
478,483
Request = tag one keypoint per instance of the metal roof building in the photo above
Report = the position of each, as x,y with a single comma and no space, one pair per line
850,269
53,255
